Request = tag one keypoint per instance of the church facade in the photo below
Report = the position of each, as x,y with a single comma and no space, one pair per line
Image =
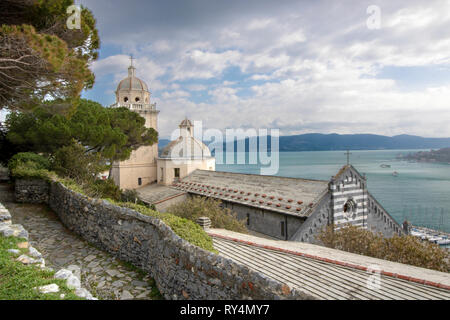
283,208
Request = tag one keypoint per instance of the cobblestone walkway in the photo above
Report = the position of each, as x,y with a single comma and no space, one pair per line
102,274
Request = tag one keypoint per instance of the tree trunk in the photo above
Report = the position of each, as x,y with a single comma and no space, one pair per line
110,169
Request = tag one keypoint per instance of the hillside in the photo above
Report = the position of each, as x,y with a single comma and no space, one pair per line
324,142
441,155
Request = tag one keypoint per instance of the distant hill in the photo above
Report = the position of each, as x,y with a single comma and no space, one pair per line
317,141
326,142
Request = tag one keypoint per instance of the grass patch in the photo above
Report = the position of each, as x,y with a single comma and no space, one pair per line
18,280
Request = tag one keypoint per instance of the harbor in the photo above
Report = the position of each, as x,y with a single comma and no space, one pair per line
431,235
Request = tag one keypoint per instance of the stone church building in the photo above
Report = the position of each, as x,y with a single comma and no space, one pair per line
283,208
144,167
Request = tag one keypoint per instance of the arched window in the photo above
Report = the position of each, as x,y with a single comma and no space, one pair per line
137,99
125,99
350,206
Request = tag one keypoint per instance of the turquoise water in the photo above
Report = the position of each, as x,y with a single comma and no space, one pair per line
420,192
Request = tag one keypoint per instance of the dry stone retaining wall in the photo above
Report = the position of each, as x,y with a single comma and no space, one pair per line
180,269
31,191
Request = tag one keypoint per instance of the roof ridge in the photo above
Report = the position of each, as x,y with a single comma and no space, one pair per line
260,175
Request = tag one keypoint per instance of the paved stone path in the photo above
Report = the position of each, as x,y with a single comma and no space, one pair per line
102,274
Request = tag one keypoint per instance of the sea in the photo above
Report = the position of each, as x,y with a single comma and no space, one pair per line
419,192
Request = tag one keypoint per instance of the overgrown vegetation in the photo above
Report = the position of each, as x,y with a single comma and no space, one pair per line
403,249
18,280
30,159
196,207
132,196
30,165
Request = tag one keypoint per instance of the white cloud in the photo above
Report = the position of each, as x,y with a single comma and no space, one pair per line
258,24
198,64
317,61
196,87
175,94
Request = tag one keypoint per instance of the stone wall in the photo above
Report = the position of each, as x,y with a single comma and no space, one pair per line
271,223
31,191
180,269
320,217
379,220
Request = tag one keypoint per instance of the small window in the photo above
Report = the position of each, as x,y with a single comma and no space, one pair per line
140,181
125,99
177,172
137,99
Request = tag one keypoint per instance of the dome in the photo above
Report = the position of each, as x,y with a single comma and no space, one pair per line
132,82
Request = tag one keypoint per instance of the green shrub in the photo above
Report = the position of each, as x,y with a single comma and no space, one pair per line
72,185
23,171
30,160
103,189
97,188
74,162
132,196
403,249
196,207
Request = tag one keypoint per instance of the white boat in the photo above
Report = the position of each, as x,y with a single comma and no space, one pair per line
443,242
395,174
434,239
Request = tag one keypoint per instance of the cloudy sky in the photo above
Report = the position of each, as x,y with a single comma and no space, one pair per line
300,66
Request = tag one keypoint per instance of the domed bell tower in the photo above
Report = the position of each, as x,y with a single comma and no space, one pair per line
140,169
